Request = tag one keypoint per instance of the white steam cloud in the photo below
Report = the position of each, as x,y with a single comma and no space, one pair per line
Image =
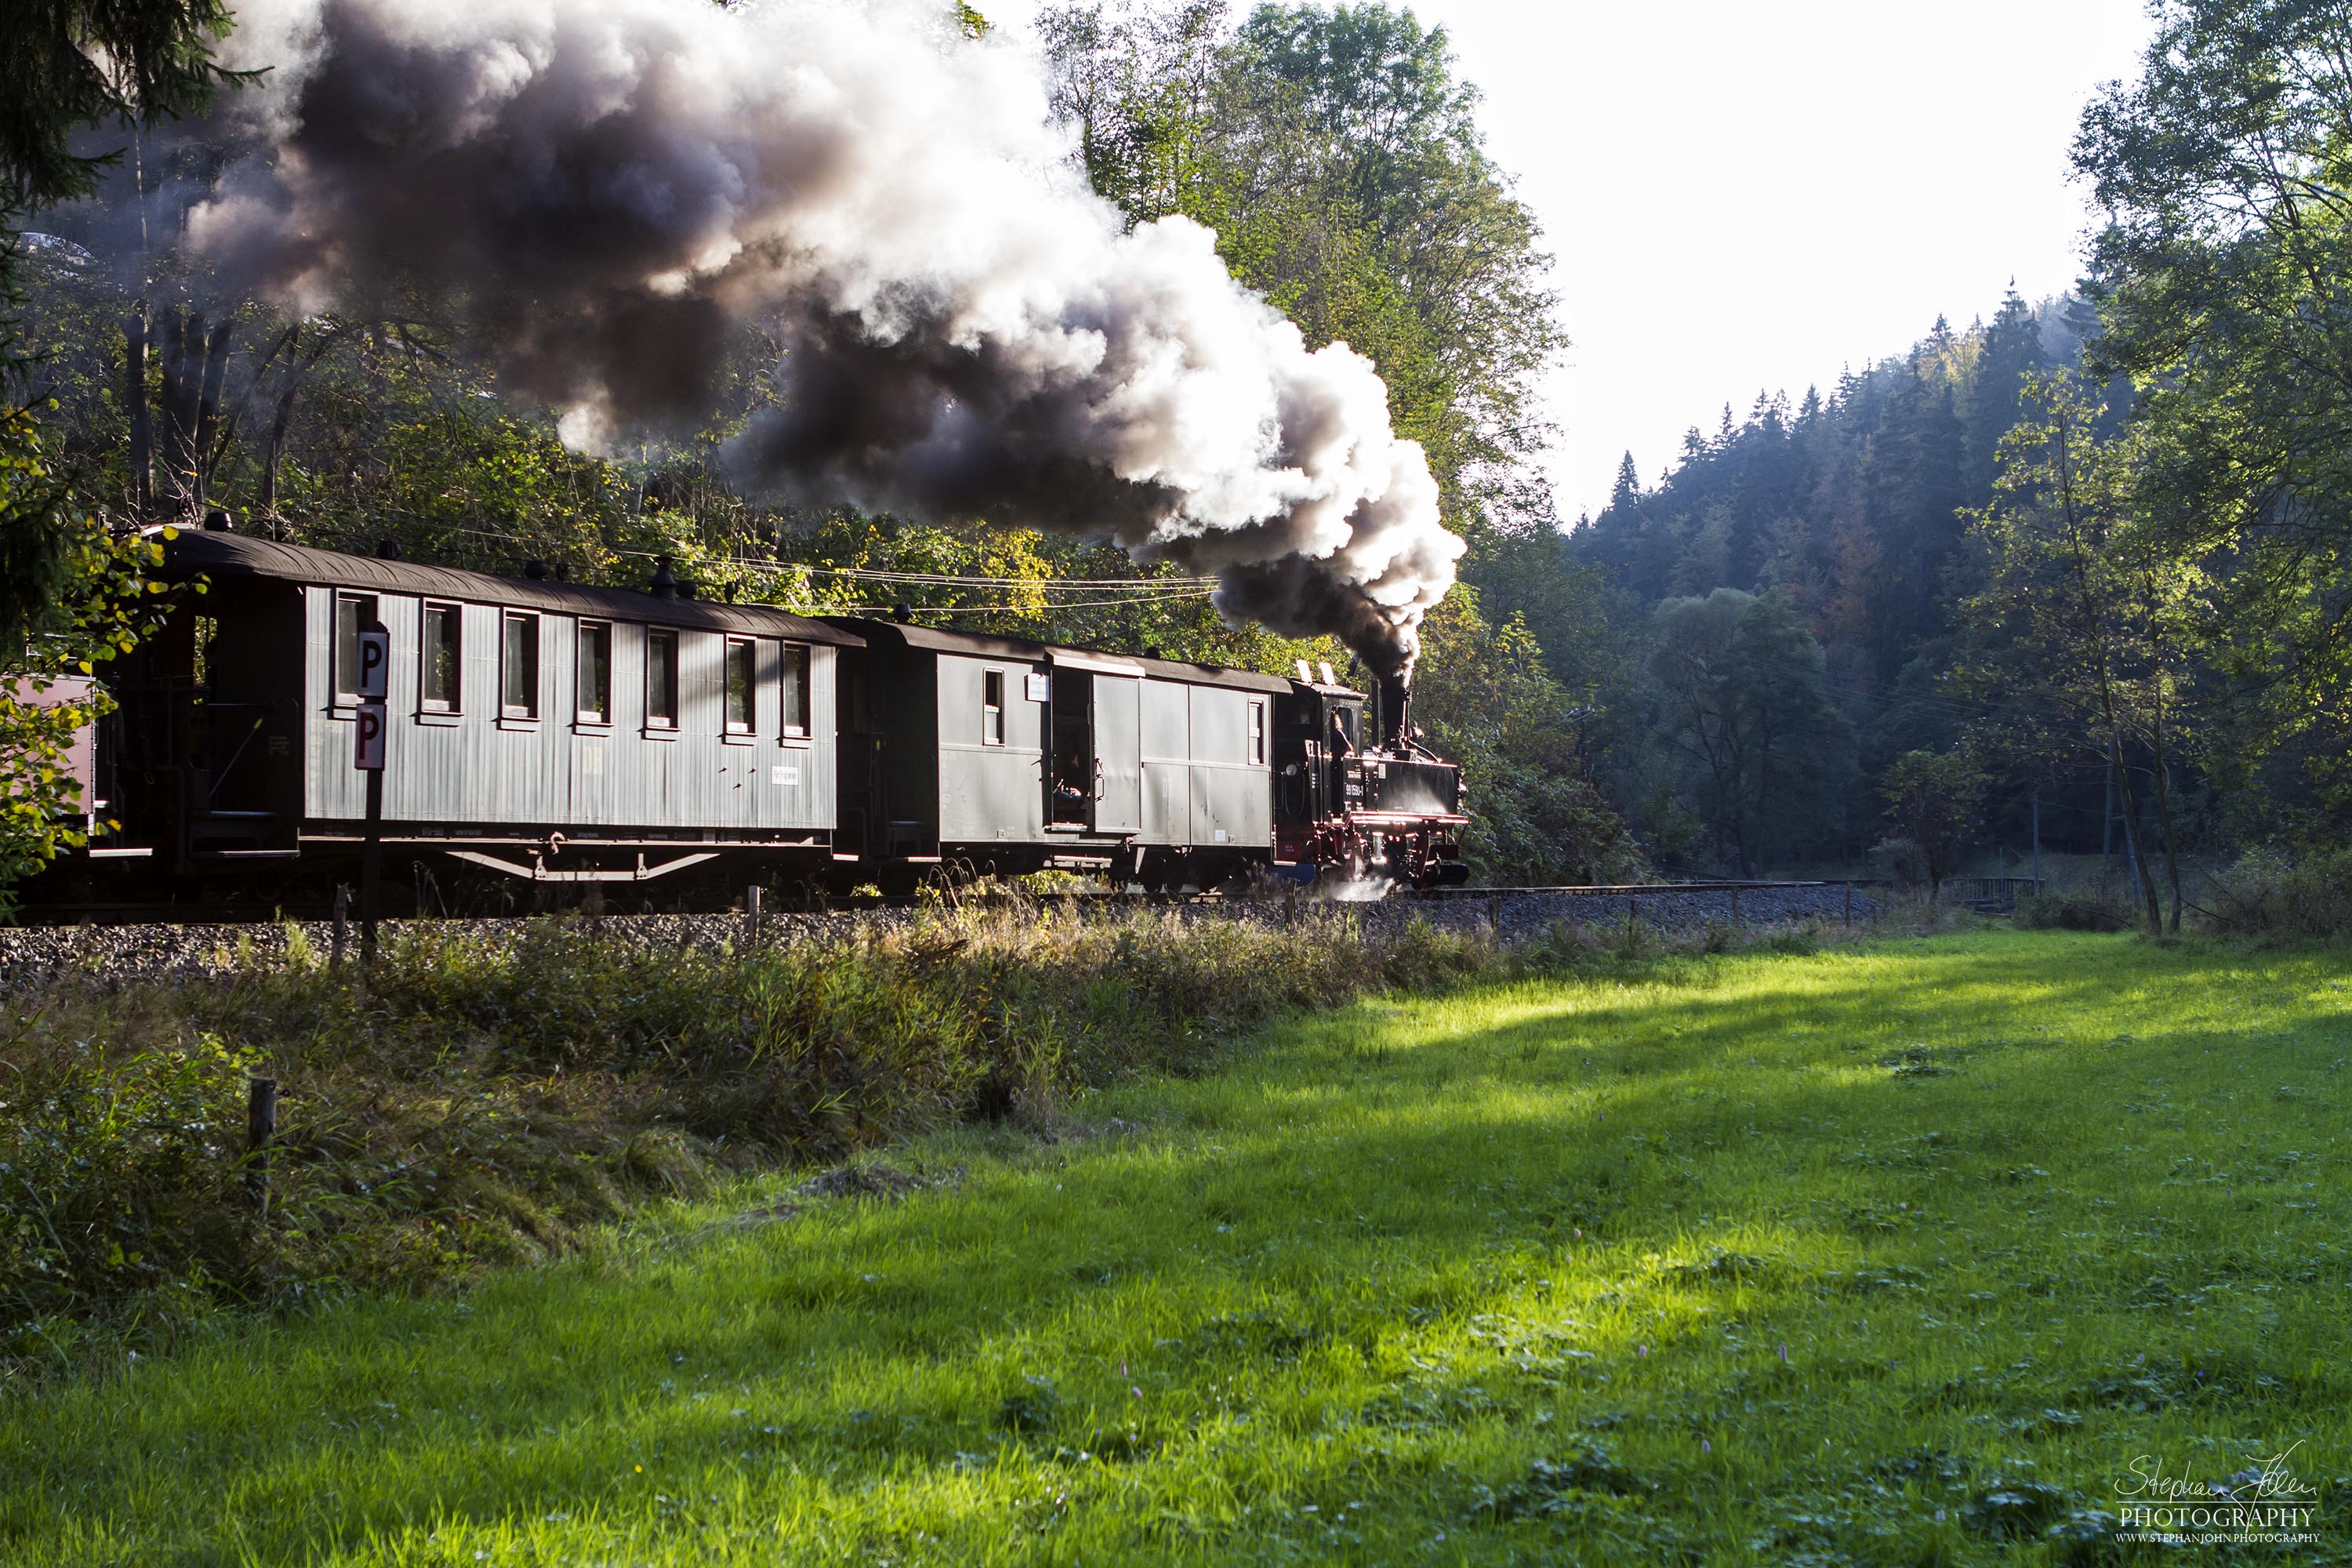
612,186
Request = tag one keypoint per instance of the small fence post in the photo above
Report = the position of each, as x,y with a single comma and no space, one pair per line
751,914
260,1126
342,927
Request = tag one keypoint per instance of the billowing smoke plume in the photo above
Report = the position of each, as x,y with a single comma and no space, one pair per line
614,185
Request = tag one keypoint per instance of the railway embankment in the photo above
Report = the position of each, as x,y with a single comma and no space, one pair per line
196,1119
121,954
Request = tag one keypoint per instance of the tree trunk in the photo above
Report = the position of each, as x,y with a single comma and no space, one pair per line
2131,832
196,363
202,451
142,439
2171,838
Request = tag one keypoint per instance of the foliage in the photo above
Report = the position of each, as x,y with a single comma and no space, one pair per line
2076,908
1488,701
1935,797
1845,505
2221,278
89,603
2269,894
486,1098
1738,701
68,66
2087,611
71,596
1337,158
1658,1266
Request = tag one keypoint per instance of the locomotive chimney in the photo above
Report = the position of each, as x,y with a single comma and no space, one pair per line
665,583
1394,696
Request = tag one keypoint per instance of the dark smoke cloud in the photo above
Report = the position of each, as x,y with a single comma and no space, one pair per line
615,183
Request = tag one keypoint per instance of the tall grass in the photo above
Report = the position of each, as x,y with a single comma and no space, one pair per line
481,1099
1908,1254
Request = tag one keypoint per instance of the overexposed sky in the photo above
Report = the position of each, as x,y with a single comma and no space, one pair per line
1747,196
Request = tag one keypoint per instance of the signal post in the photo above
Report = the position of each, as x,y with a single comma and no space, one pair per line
369,733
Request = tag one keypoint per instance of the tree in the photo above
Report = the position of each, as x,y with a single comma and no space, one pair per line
71,593
1738,696
68,66
101,605
1523,739
2223,280
1338,159
1934,798
2085,610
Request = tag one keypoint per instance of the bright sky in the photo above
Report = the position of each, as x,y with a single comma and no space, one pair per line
1748,196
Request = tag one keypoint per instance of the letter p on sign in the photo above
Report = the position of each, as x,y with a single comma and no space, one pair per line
367,737
375,667
374,685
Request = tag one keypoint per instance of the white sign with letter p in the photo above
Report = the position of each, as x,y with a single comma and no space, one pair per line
374,683
367,737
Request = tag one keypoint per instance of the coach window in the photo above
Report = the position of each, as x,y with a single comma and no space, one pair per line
796,689
519,667
353,613
742,685
1257,734
595,703
440,658
661,681
991,708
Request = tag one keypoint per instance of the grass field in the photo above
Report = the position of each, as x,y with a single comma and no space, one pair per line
1902,1253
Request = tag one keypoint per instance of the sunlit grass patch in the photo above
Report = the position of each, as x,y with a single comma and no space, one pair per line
1632,1271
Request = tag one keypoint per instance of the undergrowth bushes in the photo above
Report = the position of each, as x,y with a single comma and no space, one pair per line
2076,908
2267,894
482,1101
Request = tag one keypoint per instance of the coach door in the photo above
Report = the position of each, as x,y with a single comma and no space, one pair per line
1119,753
1108,692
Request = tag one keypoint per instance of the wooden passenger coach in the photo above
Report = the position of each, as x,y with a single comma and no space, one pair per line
540,728
992,752
542,731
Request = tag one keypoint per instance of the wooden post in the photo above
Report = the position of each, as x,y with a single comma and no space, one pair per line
751,914
260,1126
371,868
342,927
371,735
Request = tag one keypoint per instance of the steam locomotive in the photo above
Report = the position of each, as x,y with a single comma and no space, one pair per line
544,733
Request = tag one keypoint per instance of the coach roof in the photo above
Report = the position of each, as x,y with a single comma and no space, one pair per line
974,644
228,555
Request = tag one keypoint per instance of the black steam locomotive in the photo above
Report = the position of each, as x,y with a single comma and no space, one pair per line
559,734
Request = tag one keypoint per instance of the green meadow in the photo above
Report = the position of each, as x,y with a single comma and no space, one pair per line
1904,1253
